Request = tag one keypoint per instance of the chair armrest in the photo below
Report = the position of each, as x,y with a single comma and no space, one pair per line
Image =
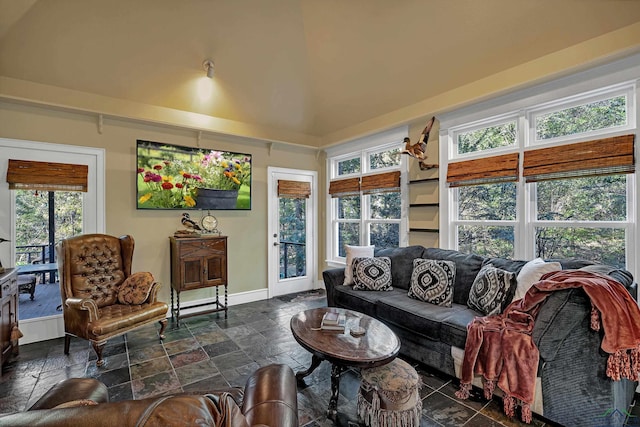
72,389
270,397
84,304
153,293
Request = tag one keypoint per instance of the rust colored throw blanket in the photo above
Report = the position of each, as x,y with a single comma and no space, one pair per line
501,349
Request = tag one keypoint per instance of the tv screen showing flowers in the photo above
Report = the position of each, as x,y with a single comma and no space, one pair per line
175,177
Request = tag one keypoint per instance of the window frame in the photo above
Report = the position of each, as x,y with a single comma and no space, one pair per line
364,148
526,105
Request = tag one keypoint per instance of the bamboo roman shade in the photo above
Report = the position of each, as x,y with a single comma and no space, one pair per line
344,187
598,157
46,176
294,189
388,182
488,170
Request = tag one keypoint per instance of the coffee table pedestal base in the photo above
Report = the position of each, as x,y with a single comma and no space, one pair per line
336,372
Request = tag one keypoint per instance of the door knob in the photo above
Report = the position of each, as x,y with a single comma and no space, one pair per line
276,244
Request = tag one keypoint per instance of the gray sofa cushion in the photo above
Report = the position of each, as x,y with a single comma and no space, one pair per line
401,263
362,301
453,330
467,268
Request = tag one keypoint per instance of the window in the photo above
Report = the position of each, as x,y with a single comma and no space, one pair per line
486,137
365,198
575,191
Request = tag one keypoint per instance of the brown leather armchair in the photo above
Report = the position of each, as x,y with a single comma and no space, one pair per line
269,399
92,269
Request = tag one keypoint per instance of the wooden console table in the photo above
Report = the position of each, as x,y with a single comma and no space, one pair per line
196,263
8,314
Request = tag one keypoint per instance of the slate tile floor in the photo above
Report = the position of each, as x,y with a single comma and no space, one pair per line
209,352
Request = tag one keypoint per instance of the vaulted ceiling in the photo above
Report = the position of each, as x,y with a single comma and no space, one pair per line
312,68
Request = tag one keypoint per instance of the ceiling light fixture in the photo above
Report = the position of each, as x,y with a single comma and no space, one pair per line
208,67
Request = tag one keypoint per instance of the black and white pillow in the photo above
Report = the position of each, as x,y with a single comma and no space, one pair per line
372,274
432,281
490,289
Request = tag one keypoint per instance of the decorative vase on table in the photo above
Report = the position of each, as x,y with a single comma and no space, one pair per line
210,198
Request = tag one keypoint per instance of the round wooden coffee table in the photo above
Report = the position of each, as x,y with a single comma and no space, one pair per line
378,346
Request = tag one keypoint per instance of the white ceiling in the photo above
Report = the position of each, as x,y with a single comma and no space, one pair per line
312,67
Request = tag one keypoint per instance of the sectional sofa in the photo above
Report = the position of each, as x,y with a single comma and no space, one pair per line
571,386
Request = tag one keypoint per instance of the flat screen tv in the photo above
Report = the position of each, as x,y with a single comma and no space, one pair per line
175,177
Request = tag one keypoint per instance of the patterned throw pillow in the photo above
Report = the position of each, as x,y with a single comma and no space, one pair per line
372,274
135,289
432,281
489,289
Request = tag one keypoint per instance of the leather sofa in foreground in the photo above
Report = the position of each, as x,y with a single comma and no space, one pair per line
268,399
572,387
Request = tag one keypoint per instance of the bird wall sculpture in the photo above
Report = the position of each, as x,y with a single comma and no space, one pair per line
419,150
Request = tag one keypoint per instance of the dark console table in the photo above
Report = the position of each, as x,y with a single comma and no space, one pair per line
196,263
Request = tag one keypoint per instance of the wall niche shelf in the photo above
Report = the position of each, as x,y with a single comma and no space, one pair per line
424,230
423,180
421,205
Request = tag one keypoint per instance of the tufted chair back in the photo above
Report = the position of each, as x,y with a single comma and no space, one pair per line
95,266
92,269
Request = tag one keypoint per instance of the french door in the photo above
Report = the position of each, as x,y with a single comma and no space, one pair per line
292,245
93,211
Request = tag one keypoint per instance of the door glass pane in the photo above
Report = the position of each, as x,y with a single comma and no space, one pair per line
293,232
36,236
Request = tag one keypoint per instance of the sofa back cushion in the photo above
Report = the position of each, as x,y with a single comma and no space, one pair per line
467,268
401,263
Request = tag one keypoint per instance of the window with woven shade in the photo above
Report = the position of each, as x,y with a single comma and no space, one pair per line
388,182
344,187
46,176
487,170
605,156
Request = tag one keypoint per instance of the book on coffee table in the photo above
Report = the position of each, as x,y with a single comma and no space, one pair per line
332,321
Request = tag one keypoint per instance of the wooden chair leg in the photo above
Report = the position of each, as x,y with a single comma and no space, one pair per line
98,347
163,326
67,342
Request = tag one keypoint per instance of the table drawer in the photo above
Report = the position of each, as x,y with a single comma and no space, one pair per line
9,286
202,248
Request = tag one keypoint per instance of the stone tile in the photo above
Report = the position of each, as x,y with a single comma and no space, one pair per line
211,337
188,357
220,348
215,382
197,371
155,385
147,353
445,410
231,360
114,377
150,367
120,392
182,345
110,363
